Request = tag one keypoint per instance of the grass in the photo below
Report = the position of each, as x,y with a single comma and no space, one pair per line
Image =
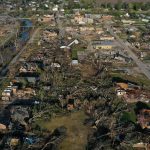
75,50
123,36
147,58
74,54
129,116
139,79
76,132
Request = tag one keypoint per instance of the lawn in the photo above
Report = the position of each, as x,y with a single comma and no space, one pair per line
75,51
139,79
147,58
76,132
129,116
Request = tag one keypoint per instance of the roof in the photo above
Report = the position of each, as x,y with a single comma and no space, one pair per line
74,62
141,146
2,127
31,79
122,85
103,43
14,142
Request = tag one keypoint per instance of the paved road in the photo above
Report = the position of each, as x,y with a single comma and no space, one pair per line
14,60
60,22
139,63
34,35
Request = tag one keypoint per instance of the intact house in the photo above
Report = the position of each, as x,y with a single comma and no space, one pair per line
74,62
103,45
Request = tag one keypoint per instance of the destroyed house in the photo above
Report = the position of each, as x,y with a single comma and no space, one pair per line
28,67
144,118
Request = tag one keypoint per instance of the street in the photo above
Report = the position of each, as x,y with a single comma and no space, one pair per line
139,63
24,48
15,59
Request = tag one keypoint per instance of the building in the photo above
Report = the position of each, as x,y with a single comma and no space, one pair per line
128,22
141,146
86,30
104,45
74,62
107,38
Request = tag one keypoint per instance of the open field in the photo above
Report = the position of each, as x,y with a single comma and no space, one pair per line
76,132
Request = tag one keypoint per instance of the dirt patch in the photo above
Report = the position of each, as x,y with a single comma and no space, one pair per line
87,70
